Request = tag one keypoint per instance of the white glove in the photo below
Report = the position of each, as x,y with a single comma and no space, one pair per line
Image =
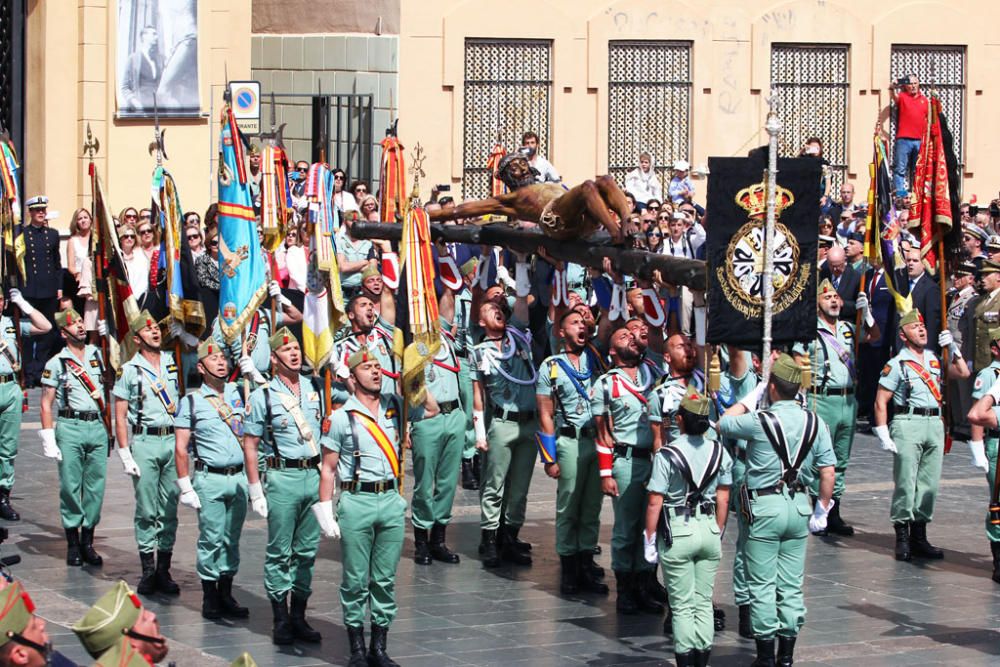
947,340
188,496
882,432
102,328
817,522
751,400
257,500
51,450
324,515
249,370
177,331
19,301
274,291
128,463
649,547
978,451
521,279
861,303
504,277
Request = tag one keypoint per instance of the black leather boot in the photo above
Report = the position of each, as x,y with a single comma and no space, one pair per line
745,629
440,550
644,596
230,607
786,650
477,468
488,548
509,550
655,588
211,608
835,524
569,575
587,563
73,547
359,652
147,581
684,659
90,557
626,603
469,480
377,657
586,579
919,545
902,541
421,551
164,582
507,534
300,627
995,548
281,631
718,618
7,513
700,658
765,653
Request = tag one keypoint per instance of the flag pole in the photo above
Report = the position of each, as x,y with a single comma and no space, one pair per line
773,127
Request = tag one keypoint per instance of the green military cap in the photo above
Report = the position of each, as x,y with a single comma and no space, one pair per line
65,318
110,617
208,348
369,271
695,402
911,316
468,267
141,321
281,338
825,286
16,610
360,356
787,369
989,266
122,654
245,660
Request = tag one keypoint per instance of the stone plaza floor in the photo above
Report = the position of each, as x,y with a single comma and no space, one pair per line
864,608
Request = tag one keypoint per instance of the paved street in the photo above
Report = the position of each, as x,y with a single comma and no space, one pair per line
863,607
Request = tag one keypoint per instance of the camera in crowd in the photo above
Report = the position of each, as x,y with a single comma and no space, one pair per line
904,81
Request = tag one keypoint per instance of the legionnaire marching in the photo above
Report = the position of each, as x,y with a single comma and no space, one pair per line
368,329
985,440
986,314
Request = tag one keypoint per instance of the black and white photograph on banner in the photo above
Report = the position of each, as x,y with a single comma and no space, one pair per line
158,58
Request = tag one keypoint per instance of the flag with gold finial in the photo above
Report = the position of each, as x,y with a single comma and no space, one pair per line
393,177
182,287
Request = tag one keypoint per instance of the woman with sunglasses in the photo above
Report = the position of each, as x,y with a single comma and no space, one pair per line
146,237
136,261
654,240
128,216
342,199
81,269
360,190
206,269
192,233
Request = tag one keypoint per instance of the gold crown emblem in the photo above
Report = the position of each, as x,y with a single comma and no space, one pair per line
754,200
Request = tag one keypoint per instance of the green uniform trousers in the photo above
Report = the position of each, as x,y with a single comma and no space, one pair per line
371,533
510,462
992,532
916,468
82,471
155,492
465,396
437,453
11,402
775,563
689,568
631,475
220,523
741,591
840,414
292,531
578,496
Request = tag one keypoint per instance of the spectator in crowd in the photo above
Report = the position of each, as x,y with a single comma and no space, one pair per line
654,240
360,190
291,260
910,125
546,172
681,189
845,280
643,182
193,235
974,238
825,225
813,148
342,199
924,293
846,227
652,206
206,269
146,233
855,251
253,159
136,261
43,284
632,204
297,184
128,216
369,208
80,266
192,218
212,218
845,204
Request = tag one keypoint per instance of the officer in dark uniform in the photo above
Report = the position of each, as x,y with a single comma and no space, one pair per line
43,285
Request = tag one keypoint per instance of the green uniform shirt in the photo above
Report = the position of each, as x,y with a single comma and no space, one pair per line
764,468
216,442
463,322
666,400
353,251
669,482
260,351
513,358
908,390
572,407
71,392
374,465
9,336
985,380
440,378
285,436
138,372
628,412
828,368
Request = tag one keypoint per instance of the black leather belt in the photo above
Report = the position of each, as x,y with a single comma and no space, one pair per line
153,430
741,454
626,451
66,413
923,412
370,487
279,462
4,379
578,432
449,407
706,508
228,470
992,434
777,489
835,391
513,415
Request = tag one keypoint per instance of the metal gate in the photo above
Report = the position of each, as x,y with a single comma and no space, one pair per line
811,85
12,70
649,105
508,85
941,71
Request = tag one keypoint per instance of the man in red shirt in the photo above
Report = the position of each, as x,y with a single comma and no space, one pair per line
910,127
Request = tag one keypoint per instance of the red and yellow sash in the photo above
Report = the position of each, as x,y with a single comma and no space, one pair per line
381,439
925,375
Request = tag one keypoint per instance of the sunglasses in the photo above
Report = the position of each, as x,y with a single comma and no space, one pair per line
656,234
145,231
127,236
193,236
144,216
131,215
361,190
653,208
338,178
302,169
213,244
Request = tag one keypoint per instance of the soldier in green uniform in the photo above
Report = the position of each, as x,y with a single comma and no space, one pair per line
23,637
567,447
209,424
689,494
986,313
785,445
147,393
834,377
117,615
369,329
73,382
504,376
912,381
283,422
11,394
461,329
620,405
363,448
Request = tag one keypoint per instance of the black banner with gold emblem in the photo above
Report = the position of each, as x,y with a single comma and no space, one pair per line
737,216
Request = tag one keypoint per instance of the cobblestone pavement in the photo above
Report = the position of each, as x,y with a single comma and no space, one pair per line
864,608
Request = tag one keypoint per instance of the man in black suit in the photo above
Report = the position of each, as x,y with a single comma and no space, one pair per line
925,295
845,280
873,354
43,285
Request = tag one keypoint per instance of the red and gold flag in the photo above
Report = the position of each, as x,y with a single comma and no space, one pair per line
931,206
393,177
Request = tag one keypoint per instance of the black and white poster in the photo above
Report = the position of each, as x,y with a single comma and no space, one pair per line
158,58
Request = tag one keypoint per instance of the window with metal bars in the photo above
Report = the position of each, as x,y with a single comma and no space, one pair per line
508,87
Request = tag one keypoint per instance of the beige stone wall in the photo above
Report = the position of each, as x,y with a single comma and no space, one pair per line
70,82
731,60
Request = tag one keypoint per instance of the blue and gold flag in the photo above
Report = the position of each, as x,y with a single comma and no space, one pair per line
175,255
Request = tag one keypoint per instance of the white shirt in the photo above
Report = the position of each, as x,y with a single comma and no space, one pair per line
644,185
345,201
138,272
546,172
